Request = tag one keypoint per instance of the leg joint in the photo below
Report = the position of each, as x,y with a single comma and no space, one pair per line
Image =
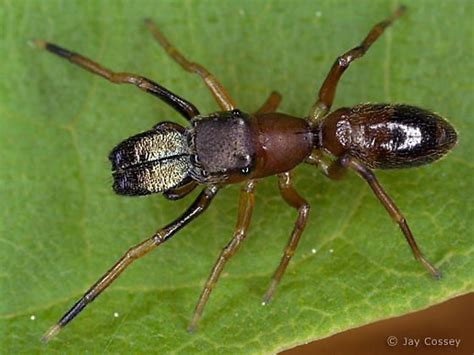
158,239
89,297
400,219
288,254
130,254
304,210
239,236
344,60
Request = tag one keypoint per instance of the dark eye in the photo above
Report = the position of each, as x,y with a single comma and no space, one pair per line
236,113
245,171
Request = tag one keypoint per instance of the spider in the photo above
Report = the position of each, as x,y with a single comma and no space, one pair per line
231,146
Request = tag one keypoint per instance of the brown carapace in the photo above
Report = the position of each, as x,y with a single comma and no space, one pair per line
231,146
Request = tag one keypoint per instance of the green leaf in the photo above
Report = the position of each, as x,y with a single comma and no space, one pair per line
62,227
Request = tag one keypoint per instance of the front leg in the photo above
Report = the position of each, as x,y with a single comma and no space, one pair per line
185,108
199,206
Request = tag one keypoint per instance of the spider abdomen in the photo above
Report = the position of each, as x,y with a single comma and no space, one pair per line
386,136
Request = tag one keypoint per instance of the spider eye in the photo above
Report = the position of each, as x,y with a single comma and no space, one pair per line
245,171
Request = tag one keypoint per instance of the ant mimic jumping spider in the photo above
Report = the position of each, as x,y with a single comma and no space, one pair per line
231,146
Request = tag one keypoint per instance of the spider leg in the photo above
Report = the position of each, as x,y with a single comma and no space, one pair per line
246,204
181,191
271,104
199,205
293,199
338,169
334,170
328,89
395,213
184,107
220,94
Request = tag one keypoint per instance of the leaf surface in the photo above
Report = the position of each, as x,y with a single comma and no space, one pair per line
61,226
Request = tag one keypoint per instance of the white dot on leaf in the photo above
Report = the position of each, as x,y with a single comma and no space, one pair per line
33,317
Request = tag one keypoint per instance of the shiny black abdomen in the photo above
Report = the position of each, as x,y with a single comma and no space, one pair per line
388,136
